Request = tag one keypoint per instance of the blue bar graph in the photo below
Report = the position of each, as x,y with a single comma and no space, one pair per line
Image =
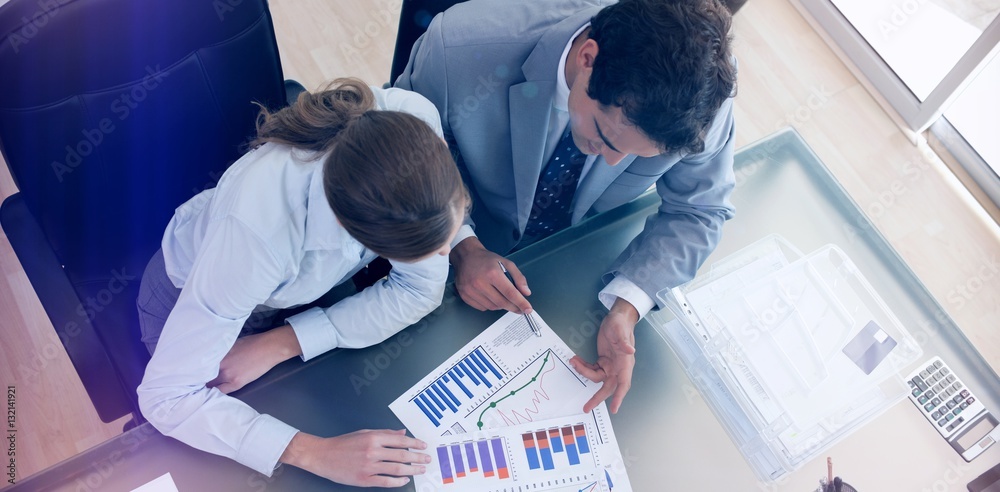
557,446
455,374
454,466
543,449
484,456
472,457
497,446
456,454
571,453
472,376
444,398
426,412
581,439
446,476
530,450
427,403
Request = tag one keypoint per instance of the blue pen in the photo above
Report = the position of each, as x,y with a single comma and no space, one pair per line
531,323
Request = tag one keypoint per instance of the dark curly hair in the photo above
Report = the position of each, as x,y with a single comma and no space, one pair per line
667,64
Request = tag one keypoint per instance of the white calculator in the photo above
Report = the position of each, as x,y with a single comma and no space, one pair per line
953,409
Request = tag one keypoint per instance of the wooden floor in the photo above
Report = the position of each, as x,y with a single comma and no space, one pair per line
788,77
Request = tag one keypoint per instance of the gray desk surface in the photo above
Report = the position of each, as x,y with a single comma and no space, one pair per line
669,438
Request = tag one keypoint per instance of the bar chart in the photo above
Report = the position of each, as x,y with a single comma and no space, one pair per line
505,376
485,458
474,375
559,447
578,453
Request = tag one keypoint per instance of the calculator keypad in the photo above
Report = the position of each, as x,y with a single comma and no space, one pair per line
945,400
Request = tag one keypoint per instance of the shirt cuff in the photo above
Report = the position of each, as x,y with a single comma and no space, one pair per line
464,232
264,444
624,288
314,331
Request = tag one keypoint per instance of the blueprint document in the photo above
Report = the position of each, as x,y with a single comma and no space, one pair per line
505,376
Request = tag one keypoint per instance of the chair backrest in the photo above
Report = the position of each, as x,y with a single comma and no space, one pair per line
113,113
414,17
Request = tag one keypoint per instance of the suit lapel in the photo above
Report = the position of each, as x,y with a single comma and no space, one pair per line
530,107
595,182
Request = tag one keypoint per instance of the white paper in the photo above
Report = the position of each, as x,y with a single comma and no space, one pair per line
164,483
505,376
575,453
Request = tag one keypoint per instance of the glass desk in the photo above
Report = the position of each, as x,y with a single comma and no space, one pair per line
670,440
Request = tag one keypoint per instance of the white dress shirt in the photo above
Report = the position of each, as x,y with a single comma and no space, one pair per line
266,235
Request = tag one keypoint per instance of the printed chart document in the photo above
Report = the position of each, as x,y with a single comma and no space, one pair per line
577,453
505,376
164,483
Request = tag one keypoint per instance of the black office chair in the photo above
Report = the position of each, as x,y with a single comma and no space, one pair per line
112,114
414,17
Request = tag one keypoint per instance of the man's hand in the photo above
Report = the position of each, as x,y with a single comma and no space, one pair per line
254,355
482,284
615,356
366,458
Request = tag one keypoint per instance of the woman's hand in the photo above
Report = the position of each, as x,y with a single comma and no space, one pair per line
254,355
365,458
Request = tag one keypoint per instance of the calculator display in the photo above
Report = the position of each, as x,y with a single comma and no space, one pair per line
975,433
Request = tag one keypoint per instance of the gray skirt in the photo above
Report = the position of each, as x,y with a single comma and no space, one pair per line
157,297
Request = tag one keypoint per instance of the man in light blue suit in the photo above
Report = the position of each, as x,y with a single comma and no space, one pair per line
560,109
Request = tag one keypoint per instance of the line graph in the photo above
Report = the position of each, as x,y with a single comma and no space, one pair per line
504,376
545,383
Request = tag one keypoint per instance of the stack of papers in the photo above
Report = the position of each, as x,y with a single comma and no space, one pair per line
792,352
504,413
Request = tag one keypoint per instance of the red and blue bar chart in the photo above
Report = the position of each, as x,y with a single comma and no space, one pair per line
474,375
460,460
542,447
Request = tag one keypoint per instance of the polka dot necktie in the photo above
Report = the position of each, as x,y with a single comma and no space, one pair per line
552,207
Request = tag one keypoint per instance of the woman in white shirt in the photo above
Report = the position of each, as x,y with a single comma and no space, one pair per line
334,180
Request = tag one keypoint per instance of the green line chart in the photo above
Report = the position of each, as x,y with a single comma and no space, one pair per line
544,386
493,404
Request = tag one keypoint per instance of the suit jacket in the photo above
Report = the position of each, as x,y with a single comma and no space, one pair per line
490,68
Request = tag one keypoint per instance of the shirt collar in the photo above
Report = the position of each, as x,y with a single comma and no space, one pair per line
322,231
561,99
